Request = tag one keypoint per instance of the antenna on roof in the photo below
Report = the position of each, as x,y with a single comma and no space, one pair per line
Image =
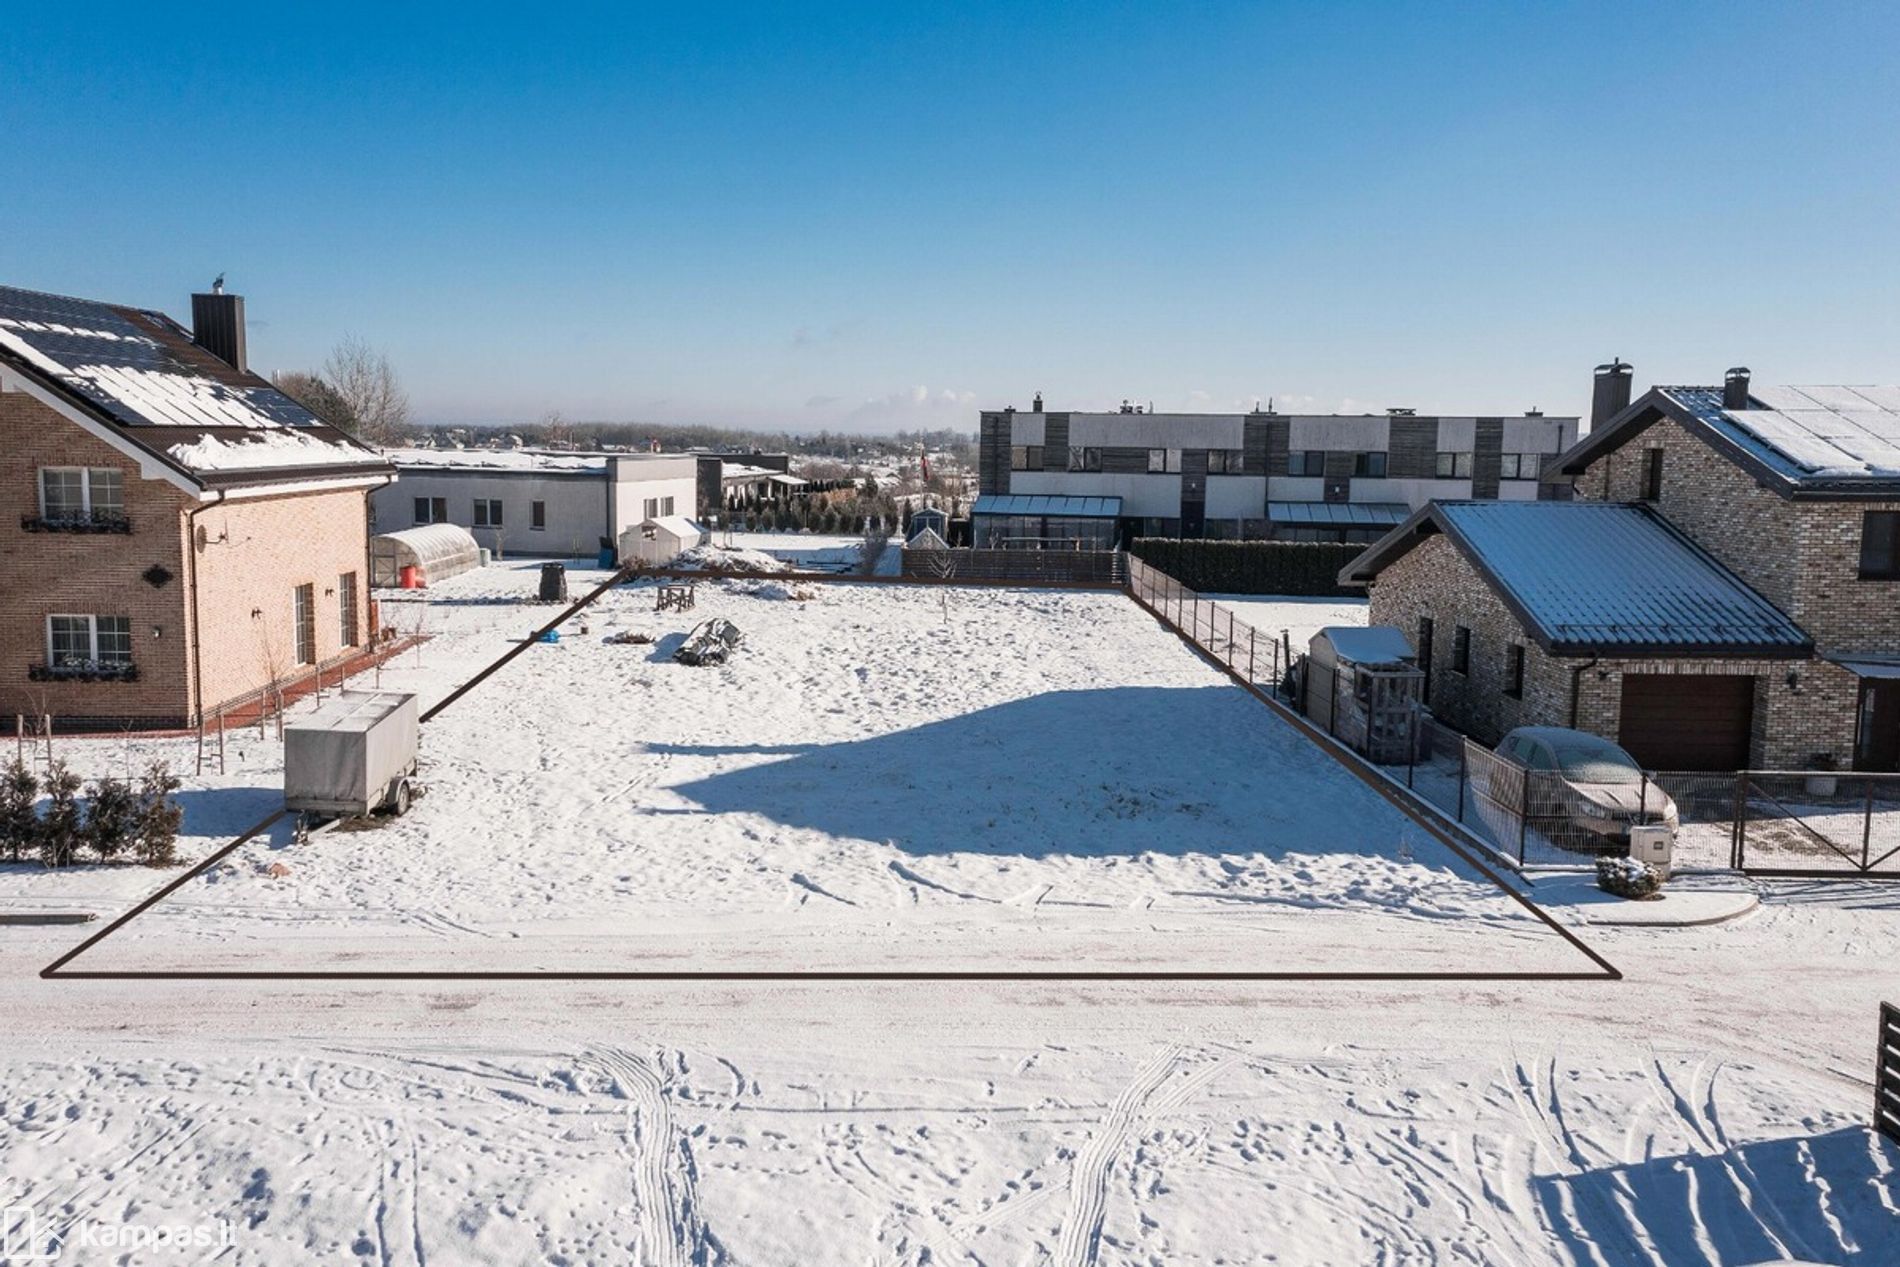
217,284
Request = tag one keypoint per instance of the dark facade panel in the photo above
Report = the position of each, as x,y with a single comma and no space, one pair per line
1124,461
1253,444
1487,457
1279,443
1412,449
992,454
1055,442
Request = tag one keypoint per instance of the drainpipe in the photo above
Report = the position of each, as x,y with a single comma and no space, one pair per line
1576,685
197,627
369,563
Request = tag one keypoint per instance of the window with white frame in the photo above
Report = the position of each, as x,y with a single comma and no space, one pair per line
346,608
80,492
79,641
304,617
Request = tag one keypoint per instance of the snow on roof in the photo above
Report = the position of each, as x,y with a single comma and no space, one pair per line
926,539
1366,644
1599,576
141,370
677,525
525,460
1815,432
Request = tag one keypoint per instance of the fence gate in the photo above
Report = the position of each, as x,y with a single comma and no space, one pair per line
1817,823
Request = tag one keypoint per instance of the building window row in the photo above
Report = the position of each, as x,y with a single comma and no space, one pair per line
488,512
84,498
658,507
1454,466
1085,459
87,642
1521,466
1226,461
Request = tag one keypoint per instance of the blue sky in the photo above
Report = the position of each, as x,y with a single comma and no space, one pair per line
888,215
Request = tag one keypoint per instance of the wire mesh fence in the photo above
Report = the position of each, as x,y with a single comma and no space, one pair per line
1808,823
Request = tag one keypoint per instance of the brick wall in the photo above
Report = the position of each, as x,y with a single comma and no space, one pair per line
48,573
256,551
1801,556
1816,715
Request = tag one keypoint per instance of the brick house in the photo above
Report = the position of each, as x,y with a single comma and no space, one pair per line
177,533
1792,494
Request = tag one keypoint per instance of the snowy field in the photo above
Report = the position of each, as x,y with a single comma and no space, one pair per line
1299,618
883,778
1708,1110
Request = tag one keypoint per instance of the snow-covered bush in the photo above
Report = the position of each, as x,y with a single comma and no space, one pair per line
159,817
1627,877
19,822
61,832
112,815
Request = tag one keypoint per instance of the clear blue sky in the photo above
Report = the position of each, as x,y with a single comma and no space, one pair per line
883,215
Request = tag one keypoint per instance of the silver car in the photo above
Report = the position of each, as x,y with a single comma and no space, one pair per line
1582,789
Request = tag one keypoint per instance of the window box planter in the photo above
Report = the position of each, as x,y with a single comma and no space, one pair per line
84,671
76,523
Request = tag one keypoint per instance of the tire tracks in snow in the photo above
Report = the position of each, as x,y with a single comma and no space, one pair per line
1155,1089
665,1182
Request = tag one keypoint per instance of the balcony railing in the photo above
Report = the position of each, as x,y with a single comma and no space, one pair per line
94,522
84,671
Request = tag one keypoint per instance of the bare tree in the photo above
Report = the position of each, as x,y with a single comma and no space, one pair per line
366,382
556,431
871,549
316,395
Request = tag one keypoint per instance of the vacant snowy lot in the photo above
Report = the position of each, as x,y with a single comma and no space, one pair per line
1708,1110
882,778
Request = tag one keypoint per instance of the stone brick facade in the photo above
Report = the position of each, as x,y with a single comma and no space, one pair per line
1436,580
1802,556
256,549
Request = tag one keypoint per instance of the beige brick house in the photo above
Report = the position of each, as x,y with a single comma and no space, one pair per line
177,533
1790,495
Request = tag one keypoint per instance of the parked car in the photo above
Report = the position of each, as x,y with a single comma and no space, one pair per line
1580,789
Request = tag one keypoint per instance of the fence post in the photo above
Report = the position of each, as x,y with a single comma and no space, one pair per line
1252,635
1739,856
1523,814
1867,828
1464,772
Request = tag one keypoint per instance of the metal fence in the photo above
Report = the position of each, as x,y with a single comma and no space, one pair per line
1256,656
1764,822
1887,1074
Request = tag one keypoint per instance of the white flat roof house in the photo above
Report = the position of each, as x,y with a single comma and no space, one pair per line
528,502
1332,477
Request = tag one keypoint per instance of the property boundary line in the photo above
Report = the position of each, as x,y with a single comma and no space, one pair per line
1605,970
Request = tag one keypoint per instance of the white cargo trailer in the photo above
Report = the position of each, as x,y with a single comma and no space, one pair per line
353,755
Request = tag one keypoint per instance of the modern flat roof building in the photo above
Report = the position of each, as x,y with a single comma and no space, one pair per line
523,501
1310,477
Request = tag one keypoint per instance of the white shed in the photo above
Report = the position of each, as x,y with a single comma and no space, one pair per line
657,542
437,551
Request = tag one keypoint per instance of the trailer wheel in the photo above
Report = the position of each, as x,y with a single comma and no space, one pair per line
399,801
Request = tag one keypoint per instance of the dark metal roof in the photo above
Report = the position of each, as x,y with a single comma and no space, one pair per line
1599,578
1038,504
1338,514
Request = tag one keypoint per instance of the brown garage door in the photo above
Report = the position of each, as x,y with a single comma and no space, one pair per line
1687,721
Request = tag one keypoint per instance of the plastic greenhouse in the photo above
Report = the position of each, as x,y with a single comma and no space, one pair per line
436,551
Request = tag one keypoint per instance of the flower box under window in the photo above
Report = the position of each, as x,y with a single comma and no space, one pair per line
85,671
76,523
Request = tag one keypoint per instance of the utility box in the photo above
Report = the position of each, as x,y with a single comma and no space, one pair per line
353,755
1654,844
554,582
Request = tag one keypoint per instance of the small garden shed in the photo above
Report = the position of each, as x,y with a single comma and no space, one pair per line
436,551
657,542
1362,684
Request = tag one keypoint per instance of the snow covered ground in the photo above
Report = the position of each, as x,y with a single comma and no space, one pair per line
883,778
1709,1109
1299,618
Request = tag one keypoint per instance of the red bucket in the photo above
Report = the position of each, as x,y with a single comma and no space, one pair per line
411,577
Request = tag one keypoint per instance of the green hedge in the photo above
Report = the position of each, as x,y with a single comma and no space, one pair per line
1305,568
